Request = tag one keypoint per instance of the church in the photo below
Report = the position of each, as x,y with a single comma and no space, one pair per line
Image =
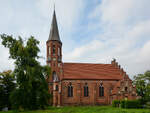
84,83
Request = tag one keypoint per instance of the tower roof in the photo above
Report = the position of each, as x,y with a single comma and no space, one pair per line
54,33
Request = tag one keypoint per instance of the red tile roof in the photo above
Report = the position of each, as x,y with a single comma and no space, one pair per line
91,71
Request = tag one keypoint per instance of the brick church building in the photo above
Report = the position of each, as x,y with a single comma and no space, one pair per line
84,83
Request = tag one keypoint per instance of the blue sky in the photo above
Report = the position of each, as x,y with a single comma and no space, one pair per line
93,31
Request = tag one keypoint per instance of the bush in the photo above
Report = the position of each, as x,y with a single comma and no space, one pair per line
132,104
127,103
148,105
122,103
142,101
115,103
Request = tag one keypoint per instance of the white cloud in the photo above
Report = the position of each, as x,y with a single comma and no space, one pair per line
5,62
126,35
67,11
144,55
122,30
83,51
6,15
122,11
26,18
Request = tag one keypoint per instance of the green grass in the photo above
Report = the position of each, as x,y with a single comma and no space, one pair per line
86,109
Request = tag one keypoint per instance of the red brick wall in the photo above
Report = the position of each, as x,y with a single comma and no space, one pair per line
78,92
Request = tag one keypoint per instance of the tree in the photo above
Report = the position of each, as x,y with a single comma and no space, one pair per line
7,85
142,83
32,90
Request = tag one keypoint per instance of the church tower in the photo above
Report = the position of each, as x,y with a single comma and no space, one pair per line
54,49
54,60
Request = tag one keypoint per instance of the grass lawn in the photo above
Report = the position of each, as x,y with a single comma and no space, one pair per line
87,109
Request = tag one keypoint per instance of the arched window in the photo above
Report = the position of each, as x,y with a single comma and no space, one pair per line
56,87
70,90
86,90
49,48
126,89
101,90
58,51
54,50
55,77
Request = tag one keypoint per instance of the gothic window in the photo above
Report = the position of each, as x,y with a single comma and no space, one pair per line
58,51
49,58
126,89
55,77
49,50
56,87
54,50
86,90
70,90
101,90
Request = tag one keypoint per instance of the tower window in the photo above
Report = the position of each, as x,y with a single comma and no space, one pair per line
58,51
101,90
49,50
70,90
55,77
54,50
86,90
49,58
56,87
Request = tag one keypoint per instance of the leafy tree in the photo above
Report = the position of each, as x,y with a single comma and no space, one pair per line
32,90
142,82
7,85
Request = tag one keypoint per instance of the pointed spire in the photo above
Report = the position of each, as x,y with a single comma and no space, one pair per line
54,33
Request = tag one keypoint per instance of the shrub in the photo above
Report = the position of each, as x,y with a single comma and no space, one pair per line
142,101
127,103
115,103
148,105
132,104
122,103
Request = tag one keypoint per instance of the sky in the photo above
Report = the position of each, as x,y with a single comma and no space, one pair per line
93,31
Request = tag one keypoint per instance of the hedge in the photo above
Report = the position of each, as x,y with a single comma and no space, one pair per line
132,104
127,103
122,103
115,103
